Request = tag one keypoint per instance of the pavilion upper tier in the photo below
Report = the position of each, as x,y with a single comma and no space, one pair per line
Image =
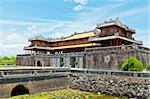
109,33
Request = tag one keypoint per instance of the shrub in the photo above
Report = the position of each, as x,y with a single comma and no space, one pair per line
147,66
132,64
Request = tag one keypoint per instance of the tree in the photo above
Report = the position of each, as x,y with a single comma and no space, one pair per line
5,58
132,64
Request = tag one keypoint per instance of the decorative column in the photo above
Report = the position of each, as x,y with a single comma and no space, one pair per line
36,62
57,61
67,61
79,59
54,62
42,63
79,62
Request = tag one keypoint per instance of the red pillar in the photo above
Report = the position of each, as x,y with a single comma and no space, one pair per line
116,42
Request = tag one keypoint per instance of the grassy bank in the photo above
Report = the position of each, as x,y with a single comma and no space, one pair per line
65,94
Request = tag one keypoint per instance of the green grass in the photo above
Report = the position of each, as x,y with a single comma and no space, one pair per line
65,94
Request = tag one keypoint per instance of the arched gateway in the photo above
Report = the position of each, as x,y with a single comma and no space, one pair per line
39,63
19,90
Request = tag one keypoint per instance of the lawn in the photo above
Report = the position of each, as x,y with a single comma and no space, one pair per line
65,94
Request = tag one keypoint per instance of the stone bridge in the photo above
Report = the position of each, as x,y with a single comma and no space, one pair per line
27,81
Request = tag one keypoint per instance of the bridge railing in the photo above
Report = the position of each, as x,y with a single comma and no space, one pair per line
32,72
65,71
112,72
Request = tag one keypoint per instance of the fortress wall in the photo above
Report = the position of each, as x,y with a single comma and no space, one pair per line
112,60
101,59
25,60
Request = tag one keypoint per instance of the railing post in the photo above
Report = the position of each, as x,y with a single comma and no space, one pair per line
2,74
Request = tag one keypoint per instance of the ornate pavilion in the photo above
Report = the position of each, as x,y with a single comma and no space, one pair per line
108,42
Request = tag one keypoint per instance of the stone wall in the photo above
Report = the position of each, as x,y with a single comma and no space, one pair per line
112,85
112,60
25,60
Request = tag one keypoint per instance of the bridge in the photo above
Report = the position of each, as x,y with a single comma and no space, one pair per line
27,81
17,81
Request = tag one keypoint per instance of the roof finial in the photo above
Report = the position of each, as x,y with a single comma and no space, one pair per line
117,18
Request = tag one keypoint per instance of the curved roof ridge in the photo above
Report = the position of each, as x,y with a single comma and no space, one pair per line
38,37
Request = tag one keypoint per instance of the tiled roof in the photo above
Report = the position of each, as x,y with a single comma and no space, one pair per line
80,35
75,46
113,37
61,47
72,37
115,22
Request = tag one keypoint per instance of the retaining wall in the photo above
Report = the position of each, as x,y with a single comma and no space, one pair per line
112,85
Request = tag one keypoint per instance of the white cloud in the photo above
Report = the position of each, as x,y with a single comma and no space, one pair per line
12,42
81,2
77,8
32,27
32,30
143,35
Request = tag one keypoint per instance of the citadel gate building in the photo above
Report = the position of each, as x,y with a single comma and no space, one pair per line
105,47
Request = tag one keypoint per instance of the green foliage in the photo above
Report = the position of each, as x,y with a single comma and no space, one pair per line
147,66
5,58
7,61
132,64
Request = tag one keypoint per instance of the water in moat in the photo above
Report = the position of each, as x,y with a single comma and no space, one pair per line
65,94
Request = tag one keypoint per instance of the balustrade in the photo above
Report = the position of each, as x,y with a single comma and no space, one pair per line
65,71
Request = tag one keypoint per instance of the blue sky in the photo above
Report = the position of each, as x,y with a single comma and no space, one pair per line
22,19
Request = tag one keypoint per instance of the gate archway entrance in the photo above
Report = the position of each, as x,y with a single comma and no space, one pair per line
39,63
19,90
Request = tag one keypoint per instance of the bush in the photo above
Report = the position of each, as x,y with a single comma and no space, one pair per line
132,64
147,66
